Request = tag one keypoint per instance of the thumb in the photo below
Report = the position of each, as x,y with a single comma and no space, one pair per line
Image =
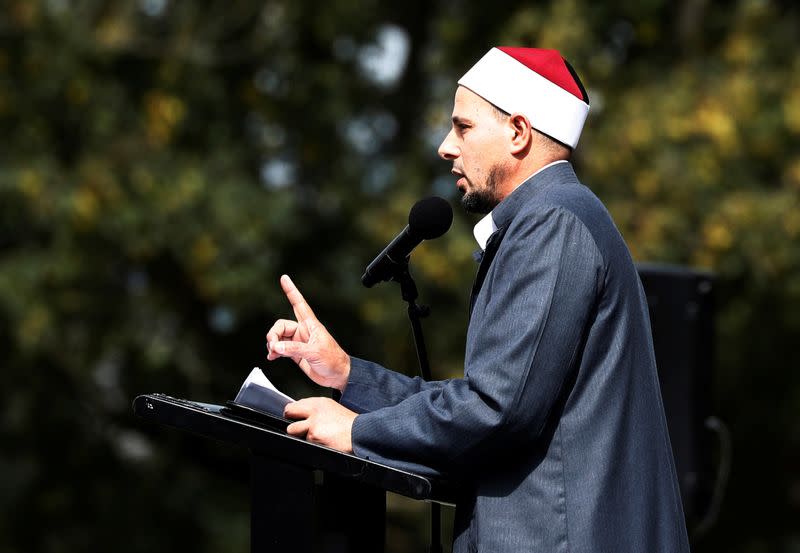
295,350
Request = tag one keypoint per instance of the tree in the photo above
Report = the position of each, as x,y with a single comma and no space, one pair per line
165,162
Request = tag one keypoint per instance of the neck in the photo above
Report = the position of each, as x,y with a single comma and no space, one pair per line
526,169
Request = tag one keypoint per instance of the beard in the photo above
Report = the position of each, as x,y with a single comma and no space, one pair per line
483,200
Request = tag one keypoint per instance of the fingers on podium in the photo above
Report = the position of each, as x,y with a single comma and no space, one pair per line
299,428
301,409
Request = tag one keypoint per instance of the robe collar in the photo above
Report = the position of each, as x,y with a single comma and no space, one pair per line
486,226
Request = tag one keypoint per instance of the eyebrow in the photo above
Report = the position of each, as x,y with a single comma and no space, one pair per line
458,119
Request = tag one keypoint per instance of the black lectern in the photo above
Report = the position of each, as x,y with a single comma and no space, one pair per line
305,497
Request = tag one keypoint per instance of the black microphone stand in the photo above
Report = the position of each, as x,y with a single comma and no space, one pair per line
408,290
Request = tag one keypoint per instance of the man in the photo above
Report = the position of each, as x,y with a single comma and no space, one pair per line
557,428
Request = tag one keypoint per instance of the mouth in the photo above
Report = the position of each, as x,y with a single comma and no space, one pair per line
461,183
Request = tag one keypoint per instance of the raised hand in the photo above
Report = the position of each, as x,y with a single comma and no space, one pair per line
308,343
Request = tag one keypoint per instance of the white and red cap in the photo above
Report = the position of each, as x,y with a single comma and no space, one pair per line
537,83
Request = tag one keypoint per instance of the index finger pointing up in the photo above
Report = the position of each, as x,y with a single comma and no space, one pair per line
301,309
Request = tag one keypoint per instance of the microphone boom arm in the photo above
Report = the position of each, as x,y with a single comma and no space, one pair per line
408,290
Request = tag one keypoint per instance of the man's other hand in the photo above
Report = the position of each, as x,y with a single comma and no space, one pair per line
323,421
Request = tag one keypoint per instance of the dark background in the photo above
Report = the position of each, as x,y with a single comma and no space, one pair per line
163,162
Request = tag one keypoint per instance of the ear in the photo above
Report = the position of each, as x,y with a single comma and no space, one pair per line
521,133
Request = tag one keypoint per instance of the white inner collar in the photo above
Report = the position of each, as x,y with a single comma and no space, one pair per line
483,230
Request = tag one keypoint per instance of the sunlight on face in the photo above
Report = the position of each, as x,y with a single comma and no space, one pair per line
476,146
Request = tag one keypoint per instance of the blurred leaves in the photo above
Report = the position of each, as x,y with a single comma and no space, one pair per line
164,162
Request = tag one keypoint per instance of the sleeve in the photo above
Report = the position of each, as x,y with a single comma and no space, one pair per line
372,386
523,344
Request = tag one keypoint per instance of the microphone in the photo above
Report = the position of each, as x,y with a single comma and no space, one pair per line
429,218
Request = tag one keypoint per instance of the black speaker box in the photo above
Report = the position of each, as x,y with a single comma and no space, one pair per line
681,303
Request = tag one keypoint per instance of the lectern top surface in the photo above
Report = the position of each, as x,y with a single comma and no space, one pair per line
219,423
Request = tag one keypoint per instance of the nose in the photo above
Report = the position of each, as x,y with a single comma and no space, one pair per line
448,150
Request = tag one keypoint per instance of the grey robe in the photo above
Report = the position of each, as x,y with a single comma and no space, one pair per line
557,429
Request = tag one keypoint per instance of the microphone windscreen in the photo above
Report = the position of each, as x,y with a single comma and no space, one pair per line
430,218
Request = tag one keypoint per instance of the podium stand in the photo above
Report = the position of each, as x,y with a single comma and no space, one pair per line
305,497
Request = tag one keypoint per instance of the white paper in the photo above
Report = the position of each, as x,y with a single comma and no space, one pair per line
259,393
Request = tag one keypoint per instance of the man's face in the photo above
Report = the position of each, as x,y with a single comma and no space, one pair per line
476,146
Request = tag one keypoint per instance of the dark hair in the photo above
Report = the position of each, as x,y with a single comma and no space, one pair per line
499,113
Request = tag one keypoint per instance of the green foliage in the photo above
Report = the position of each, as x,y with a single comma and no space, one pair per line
164,162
